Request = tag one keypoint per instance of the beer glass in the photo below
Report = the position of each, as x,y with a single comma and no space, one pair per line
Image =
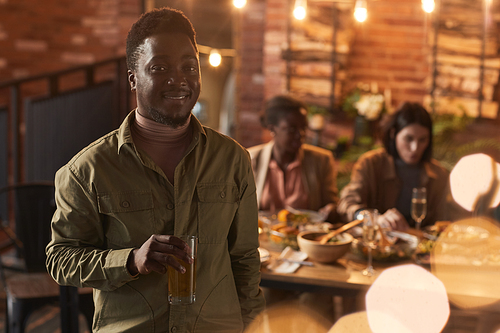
182,287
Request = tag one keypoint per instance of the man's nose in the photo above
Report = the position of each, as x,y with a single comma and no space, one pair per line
176,77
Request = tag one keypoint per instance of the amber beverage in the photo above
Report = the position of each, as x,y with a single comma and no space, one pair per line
182,287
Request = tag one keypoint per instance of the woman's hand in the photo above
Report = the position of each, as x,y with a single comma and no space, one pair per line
158,252
393,219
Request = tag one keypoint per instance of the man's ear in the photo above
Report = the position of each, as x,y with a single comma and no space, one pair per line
131,80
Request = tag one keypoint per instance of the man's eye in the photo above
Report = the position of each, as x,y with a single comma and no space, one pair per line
191,69
158,68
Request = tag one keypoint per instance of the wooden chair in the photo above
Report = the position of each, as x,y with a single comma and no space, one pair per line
27,285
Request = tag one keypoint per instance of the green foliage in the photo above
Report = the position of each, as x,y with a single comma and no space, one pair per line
314,109
446,149
348,105
343,140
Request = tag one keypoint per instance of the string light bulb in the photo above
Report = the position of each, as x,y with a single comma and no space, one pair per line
300,9
360,11
215,58
428,6
239,3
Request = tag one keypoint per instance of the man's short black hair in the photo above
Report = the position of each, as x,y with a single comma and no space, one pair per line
156,21
279,107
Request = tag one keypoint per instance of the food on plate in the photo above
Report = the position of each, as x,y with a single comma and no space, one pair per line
427,243
399,251
285,215
386,249
285,235
283,227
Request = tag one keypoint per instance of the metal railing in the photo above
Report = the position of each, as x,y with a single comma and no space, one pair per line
15,95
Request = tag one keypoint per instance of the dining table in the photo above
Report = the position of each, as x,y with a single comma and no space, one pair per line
344,278
341,278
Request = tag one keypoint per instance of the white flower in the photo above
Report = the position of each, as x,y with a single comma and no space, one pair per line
370,105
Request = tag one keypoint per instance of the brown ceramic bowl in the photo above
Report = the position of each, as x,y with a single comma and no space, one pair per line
323,253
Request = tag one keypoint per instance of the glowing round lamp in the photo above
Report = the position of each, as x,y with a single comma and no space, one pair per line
428,6
215,58
239,3
299,10
401,297
471,177
360,11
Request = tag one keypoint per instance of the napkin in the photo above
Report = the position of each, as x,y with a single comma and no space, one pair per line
283,266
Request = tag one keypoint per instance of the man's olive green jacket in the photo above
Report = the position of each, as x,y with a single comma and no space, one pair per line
111,198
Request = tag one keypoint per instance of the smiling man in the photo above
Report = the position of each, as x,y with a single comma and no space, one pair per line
123,201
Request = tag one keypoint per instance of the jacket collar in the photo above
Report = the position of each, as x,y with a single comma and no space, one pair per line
429,172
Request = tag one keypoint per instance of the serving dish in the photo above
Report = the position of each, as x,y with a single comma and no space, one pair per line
324,253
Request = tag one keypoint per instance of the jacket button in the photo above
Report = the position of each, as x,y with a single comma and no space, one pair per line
222,195
125,204
173,329
170,206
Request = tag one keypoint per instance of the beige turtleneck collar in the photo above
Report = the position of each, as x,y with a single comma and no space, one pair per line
164,144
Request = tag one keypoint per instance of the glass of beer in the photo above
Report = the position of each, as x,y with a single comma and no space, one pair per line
181,287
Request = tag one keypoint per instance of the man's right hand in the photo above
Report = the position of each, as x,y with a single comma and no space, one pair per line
158,252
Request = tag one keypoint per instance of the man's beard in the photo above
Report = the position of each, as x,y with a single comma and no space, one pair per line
173,122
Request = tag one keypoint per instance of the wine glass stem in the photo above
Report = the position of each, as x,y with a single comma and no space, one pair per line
369,257
417,224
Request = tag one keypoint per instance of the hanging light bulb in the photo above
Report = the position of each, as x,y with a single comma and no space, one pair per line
428,6
300,9
239,3
215,58
360,11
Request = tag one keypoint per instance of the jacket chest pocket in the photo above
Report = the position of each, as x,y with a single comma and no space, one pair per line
129,217
217,205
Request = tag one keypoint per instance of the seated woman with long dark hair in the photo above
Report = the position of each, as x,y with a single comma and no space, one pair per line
383,178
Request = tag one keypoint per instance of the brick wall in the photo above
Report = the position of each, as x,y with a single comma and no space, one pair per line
43,36
249,30
390,48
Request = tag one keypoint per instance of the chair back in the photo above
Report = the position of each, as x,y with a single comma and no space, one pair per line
34,206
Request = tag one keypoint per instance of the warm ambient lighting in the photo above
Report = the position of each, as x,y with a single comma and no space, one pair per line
472,177
428,6
300,9
239,3
360,11
401,296
465,258
215,58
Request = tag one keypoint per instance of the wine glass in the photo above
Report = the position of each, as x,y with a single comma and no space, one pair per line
418,205
370,230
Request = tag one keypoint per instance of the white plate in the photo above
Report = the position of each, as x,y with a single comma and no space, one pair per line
264,255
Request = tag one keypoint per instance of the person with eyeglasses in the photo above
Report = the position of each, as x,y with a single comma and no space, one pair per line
289,172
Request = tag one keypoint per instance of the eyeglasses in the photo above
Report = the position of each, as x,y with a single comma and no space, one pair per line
292,130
